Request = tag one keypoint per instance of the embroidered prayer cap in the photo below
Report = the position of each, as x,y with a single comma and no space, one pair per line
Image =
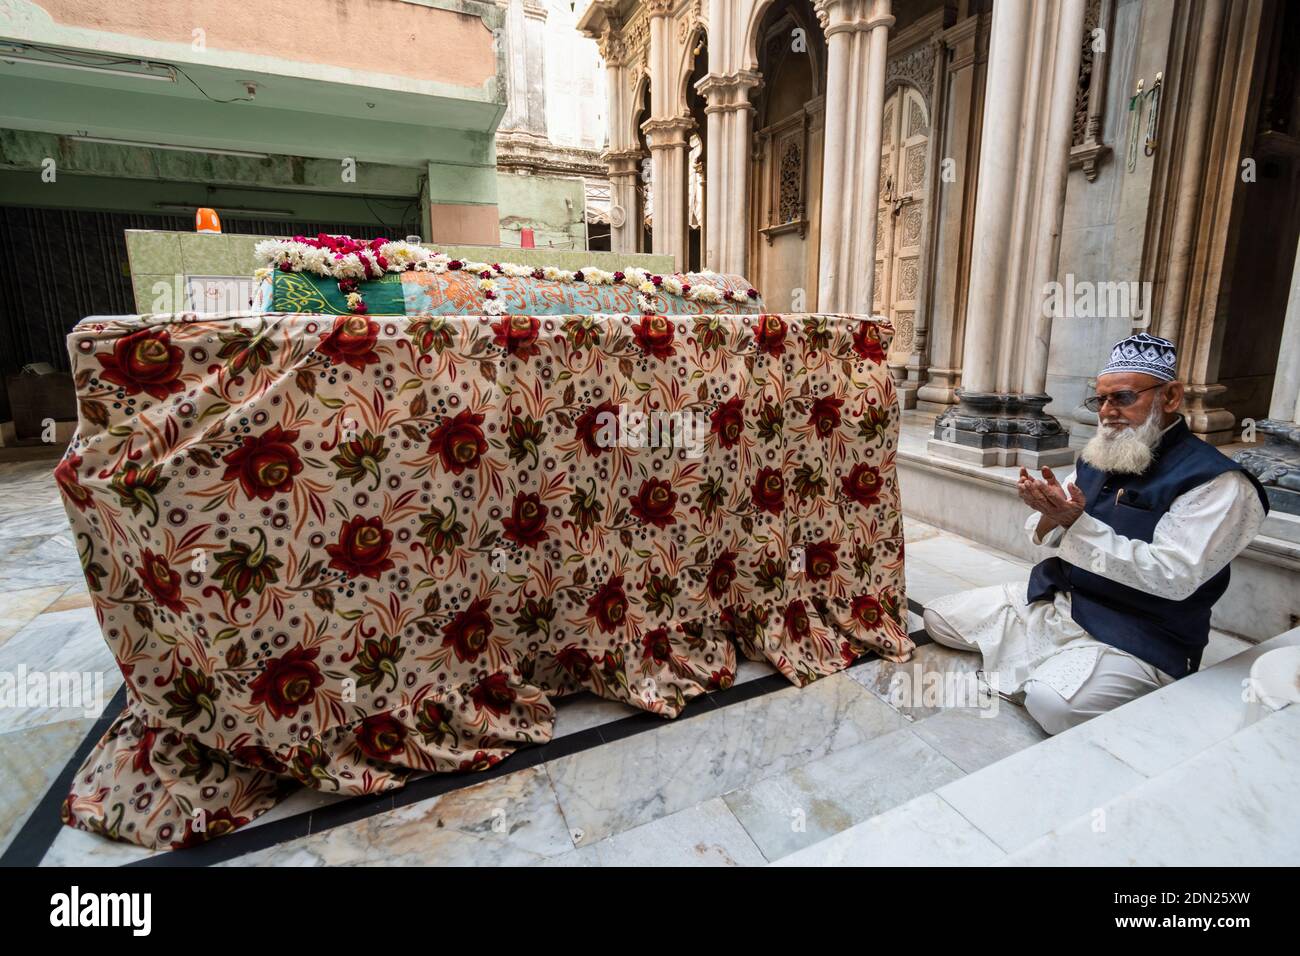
1148,354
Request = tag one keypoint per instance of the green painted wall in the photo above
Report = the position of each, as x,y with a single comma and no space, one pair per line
539,203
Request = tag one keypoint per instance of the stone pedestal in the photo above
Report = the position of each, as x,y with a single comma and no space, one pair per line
1277,464
1001,428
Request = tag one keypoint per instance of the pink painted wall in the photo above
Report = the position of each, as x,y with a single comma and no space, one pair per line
453,223
383,36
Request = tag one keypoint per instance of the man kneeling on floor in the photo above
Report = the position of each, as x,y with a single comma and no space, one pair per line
1137,547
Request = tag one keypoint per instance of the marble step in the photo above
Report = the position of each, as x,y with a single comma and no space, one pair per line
1141,784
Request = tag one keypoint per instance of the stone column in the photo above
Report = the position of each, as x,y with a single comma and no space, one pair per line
875,47
1024,159
727,156
624,168
1277,463
713,179
857,41
665,133
836,21
1063,77
667,141
1207,131
995,197
623,156
958,125
741,119
919,358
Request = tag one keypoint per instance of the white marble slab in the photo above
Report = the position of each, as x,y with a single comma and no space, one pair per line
582,711
63,642
974,738
512,820
925,582
915,529
29,761
925,831
934,678
19,607
41,517
1167,726
792,810
703,835
1221,647
980,565
42,562
79,848
632,781
747,670
1017,800
1233,804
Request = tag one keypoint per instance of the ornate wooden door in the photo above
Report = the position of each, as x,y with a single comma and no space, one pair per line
901,215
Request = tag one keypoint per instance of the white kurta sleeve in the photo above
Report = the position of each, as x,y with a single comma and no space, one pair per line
1053,538
1202,531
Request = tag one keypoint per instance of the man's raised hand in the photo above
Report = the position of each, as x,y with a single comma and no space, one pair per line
1058,506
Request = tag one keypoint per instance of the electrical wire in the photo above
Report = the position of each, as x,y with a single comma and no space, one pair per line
98,60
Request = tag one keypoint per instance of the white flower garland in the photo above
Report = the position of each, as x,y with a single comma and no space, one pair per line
350,261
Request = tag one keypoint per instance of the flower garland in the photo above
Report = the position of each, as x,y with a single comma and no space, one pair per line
351,261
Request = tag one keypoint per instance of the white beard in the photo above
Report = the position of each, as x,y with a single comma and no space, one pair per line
1124,451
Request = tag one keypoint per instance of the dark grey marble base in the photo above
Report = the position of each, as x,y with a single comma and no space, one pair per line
1000,420
1276,463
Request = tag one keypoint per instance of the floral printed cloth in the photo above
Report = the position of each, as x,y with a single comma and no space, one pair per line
334,550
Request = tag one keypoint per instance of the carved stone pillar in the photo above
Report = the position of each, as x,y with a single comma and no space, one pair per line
1207,106
624,168
714,179
667,141
857,40
958,125
729,113
875,46
1024,160
932,81
835,18
623,156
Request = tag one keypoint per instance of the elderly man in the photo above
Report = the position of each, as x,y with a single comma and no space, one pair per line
1136,546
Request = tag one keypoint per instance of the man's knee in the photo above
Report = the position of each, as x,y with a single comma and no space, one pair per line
1049,709
1116,679
944,633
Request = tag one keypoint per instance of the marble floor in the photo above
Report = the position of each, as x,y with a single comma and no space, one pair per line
747,776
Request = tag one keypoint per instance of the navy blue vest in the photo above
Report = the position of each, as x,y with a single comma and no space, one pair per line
1167,634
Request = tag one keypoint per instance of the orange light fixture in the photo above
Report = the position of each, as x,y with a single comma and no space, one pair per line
207,220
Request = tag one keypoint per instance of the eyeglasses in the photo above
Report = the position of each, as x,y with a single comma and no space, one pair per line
1121,399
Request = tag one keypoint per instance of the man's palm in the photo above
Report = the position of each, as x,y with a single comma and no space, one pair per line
1061,506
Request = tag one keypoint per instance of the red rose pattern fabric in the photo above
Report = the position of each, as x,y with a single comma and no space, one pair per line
334,551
